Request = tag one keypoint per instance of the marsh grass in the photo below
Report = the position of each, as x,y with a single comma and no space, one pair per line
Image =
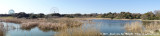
51,26
59,24
2,33
153,27
86,30
42,23
135,27
12,20
65,26
1,29
4,28
79,32
29,25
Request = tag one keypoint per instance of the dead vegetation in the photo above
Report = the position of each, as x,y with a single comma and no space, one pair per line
42,23
29,25
135,27
82,31
138,27
51,26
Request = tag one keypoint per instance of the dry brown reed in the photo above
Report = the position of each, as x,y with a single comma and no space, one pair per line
42,23
85,31
59,23
2,33
1,30
135,27
53,26
1,25
29,25
153,27
12,20
78,32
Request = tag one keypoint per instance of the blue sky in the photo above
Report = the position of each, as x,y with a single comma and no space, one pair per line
79,6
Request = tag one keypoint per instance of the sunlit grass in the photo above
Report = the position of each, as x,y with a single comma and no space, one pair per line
1,29
7,17
82,31
153,27
42,23
135,27
29,25
59,23
68,24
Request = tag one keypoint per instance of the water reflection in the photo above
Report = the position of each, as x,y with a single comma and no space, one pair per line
113,26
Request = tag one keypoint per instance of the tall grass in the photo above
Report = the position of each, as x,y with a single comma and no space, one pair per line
12,20
137,27
2,33
42,23
153,27
81,31
134,27
51,26
59,23
29,25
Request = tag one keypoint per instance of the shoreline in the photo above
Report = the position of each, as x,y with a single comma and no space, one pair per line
90,19
113,19
105,19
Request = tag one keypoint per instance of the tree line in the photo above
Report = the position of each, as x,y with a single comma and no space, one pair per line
151,15
122,15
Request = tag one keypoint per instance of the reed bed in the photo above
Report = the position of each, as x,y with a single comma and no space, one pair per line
42,23
1,25
4,28
140,28
70,22
2,33
59,23
78,32
29,25
153,27
82,31
135,27
12,20
52,26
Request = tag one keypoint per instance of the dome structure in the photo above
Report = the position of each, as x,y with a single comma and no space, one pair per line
11,11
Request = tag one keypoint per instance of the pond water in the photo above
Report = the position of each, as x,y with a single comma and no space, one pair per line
104,26
113,26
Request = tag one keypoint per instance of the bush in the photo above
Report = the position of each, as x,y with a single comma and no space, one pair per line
148,16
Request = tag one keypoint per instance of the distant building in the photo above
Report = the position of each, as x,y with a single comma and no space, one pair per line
11,11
